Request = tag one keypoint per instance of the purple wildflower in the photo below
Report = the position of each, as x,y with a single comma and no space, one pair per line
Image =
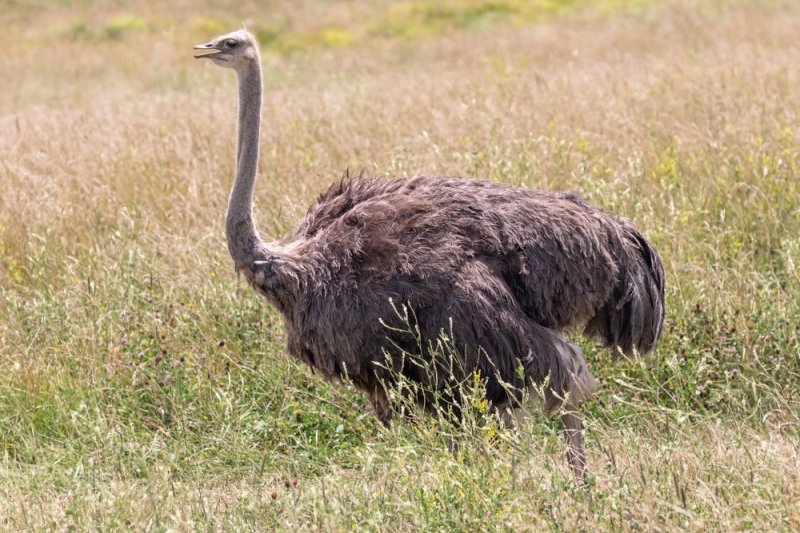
735,371
123,341
168,378
701,388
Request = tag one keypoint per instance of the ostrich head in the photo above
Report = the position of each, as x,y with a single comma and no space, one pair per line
233,50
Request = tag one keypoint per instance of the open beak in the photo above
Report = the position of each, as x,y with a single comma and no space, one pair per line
213,50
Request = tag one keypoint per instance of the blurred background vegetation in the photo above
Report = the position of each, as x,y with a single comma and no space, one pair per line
285,26
73,30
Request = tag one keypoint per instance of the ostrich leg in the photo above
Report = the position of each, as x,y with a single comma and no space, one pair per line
576,455
580,386
381,407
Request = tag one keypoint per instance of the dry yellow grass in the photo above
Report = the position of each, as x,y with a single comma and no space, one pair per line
116,155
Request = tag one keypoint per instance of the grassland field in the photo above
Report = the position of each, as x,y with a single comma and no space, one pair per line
144,387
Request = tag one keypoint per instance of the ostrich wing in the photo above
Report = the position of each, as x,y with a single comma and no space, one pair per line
566,263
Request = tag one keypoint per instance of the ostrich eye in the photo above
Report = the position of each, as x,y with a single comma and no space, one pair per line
232,43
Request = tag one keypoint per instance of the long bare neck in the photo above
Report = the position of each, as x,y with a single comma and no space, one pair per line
240,228
272,267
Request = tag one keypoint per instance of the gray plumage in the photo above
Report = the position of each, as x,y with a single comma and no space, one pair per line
500,269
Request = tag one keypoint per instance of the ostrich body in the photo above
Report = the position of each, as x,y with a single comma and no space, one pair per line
501,270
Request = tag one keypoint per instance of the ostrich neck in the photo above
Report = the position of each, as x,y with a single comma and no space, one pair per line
240,228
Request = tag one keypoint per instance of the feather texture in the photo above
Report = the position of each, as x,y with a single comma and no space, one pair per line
501,269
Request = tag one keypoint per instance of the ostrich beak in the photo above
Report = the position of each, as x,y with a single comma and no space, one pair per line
208,46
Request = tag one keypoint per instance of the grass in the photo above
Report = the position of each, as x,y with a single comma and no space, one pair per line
144,387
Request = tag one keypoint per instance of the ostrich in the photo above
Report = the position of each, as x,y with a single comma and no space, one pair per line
504,271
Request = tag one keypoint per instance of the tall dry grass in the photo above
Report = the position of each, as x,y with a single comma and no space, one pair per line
117,155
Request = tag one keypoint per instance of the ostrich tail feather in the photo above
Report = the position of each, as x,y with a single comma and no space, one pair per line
633,316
